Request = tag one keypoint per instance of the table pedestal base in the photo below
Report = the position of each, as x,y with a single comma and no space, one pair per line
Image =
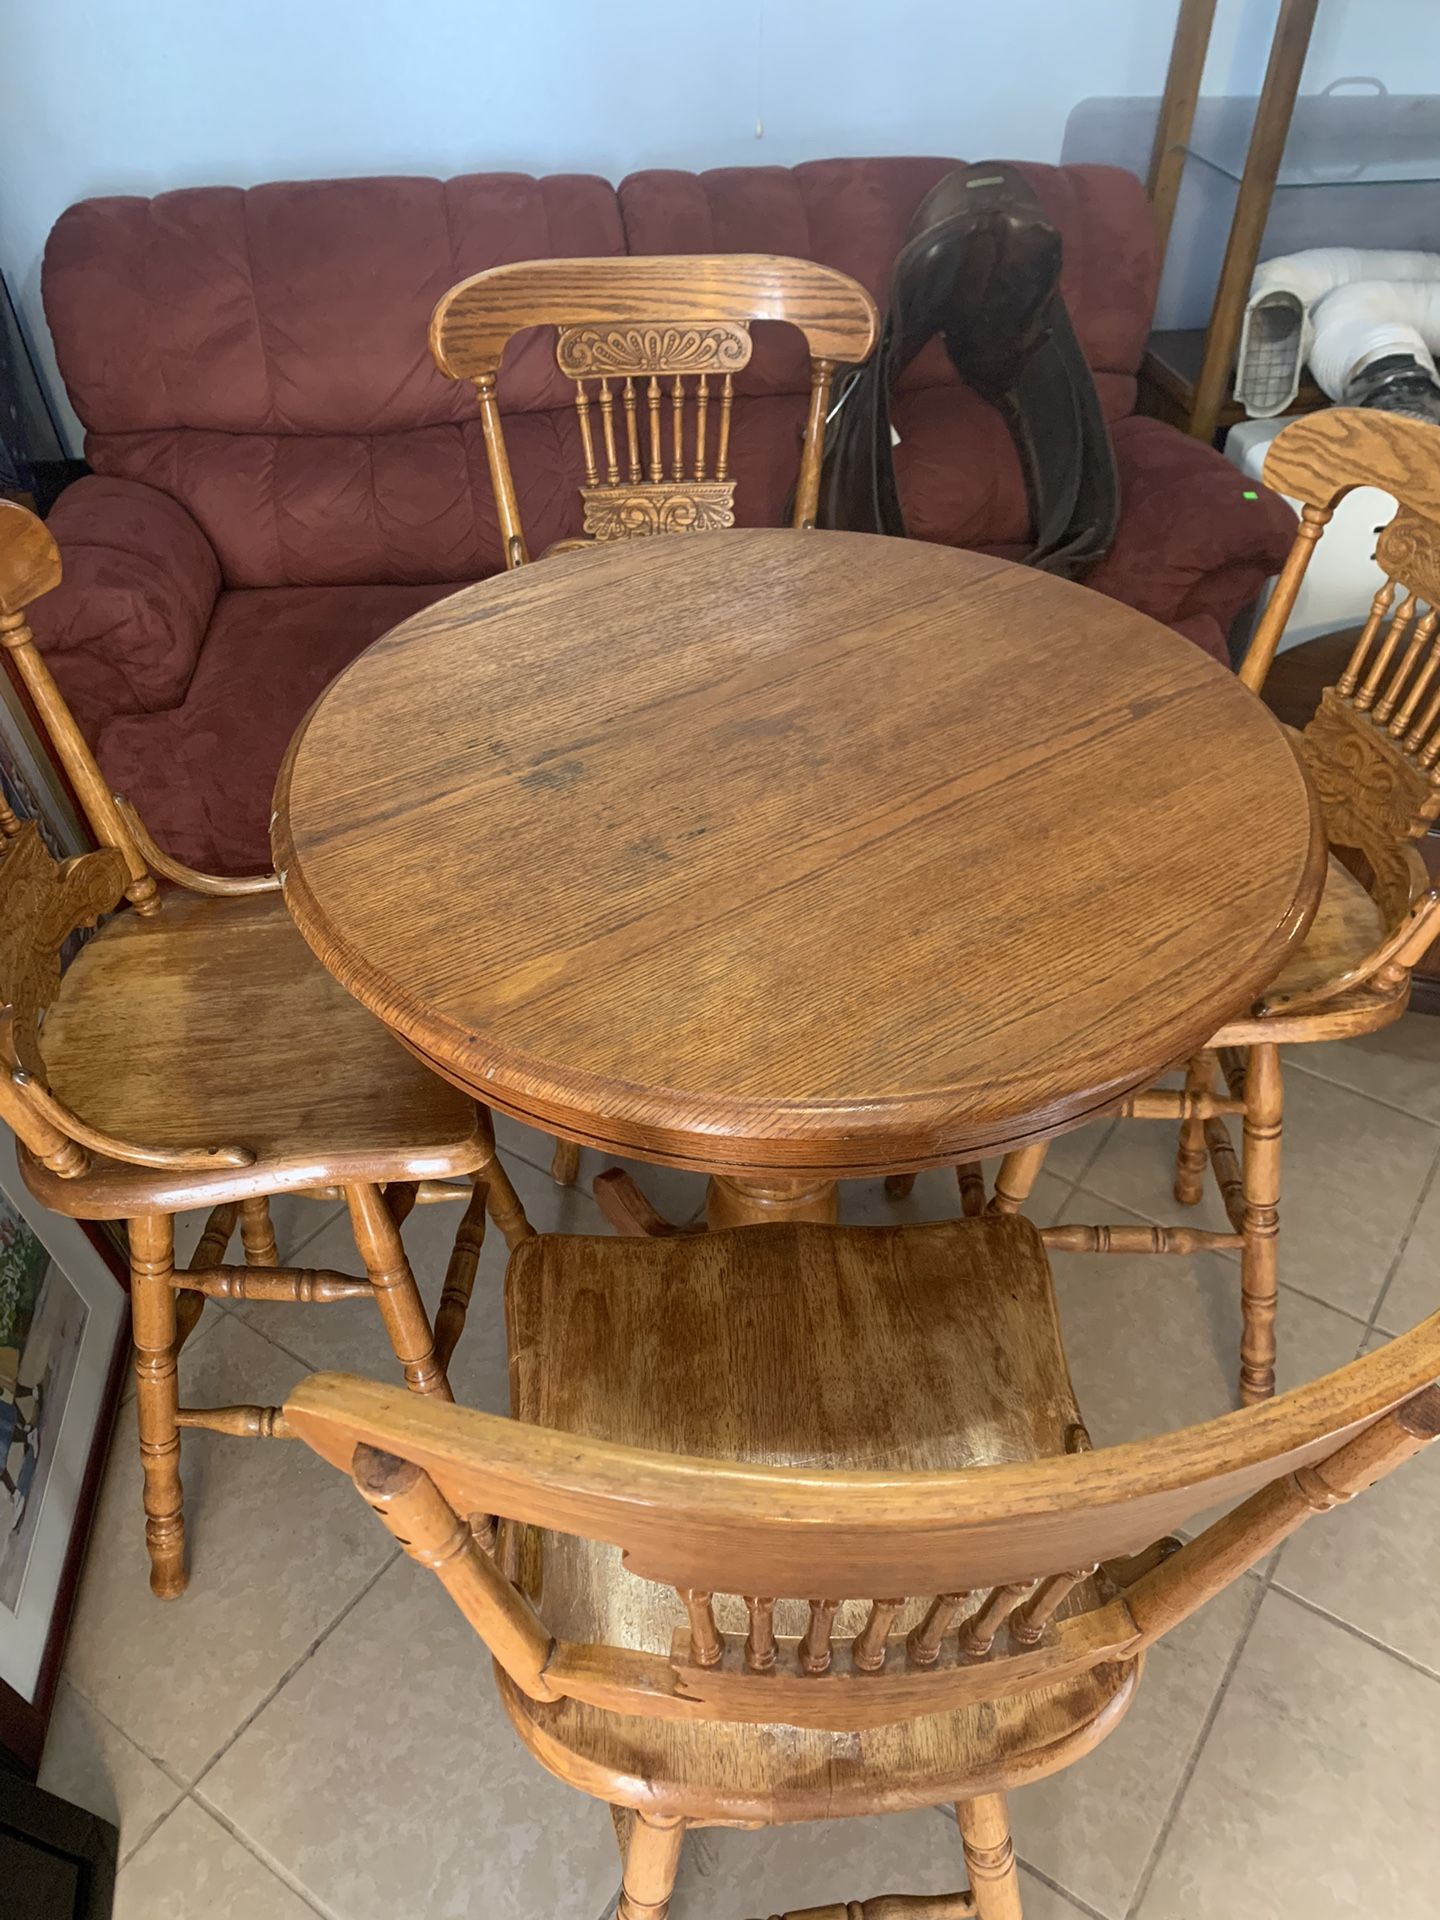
733,1202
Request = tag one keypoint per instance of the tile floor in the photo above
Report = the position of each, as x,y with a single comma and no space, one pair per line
312,1730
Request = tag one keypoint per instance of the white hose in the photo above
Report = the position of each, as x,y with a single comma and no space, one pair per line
1363,322
1278,335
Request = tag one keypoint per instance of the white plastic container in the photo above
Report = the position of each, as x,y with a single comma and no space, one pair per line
1342,578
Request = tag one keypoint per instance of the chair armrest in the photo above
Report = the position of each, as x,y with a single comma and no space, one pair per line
123,630
1196,536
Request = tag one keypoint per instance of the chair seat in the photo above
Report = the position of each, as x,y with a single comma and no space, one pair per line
212,1024
917,1347
1347,928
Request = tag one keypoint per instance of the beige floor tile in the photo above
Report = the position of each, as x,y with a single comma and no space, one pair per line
1135,1169
1353,1171
388,1755
1070,1154
1124,1789
192,1869
92,1765
1414,1291
1401,1064
279,1544
727,1875
1315,1794
1373,1562
1154,1340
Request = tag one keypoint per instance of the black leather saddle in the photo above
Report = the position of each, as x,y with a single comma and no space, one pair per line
981,267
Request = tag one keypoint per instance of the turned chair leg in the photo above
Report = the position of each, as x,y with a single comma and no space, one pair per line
1191,1156
565,1166
378,1239
652,1860
1260,1255
990,1856
1018,1173
502,1203
899,1186
460,1275
257,1234
970,1178
157,1398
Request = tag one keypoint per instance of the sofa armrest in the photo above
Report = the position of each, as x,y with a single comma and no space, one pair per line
122,632
1196,537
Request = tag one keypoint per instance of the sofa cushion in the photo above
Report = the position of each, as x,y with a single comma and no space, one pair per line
203,773
261,354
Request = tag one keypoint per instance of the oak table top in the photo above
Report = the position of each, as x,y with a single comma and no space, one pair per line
794,855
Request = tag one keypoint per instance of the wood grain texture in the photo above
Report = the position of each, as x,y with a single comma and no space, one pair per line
874,1410
233,1036
816,892
473,322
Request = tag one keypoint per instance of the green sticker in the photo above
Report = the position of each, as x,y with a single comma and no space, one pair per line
1249,494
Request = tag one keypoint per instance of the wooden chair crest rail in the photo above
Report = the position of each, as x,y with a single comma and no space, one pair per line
195,1054
1372,753
718,1563
656,454
631,332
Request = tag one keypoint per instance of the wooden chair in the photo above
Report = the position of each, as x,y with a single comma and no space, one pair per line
802,1521
1373,755
198,1055
623,326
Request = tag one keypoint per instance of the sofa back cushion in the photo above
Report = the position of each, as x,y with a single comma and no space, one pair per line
959,479
261,355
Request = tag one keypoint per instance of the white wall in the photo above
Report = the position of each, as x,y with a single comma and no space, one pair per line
137,96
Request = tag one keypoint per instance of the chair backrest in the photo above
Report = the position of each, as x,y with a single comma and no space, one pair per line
1012,1576
1373,745
30,567
631,332
42,902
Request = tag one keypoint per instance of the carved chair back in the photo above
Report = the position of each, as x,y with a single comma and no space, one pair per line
42,902
652,346
1373,746
907,1593
30,567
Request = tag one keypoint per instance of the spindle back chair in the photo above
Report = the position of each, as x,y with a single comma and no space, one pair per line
652,346
196,1054
982,1624
1372,751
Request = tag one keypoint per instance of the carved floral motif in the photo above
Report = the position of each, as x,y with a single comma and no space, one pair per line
42,900
1372,795
1409,551
630,512
652,347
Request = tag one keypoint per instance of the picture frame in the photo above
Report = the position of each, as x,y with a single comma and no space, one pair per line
63,1322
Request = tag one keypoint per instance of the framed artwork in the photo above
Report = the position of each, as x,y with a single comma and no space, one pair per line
62,1339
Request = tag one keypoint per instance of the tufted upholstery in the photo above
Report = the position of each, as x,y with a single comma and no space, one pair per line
283,472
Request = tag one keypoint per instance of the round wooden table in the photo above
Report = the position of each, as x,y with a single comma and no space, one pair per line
794,856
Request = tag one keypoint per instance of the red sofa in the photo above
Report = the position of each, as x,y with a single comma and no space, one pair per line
280,474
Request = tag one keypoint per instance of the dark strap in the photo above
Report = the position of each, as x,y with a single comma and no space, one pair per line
981,268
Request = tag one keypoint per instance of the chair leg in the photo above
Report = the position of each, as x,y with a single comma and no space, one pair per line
257,1234
157,1398
970,1178
1018,1173
502,1203
652,1860
1260,1255
990,1856
378,1239
565,1166
1191,1155
460,1275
